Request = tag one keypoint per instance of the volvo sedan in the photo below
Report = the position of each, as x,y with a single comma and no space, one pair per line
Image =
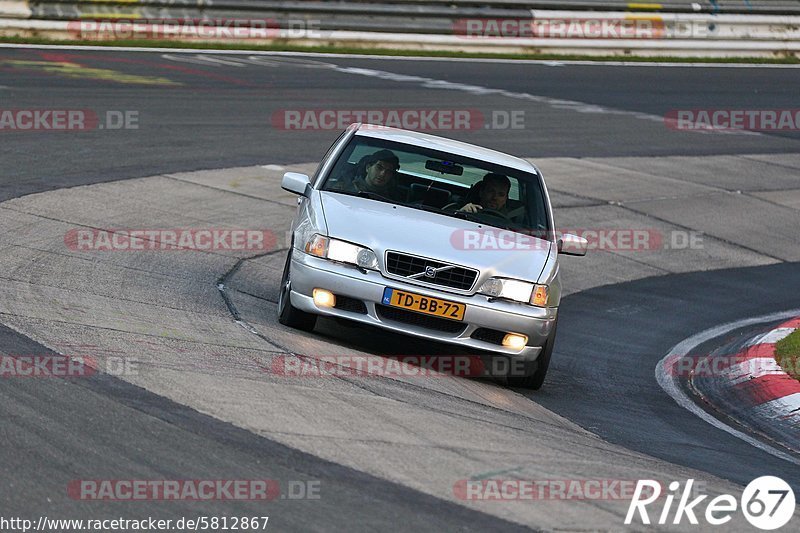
429,237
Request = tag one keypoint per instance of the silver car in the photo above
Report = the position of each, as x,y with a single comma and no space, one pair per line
429,237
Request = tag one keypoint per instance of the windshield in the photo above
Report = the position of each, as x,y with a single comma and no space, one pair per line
444,183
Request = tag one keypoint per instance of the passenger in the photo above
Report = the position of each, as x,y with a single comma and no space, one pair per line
492,195
377,173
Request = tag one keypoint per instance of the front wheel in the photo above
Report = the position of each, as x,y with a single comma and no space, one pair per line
289,315
535,380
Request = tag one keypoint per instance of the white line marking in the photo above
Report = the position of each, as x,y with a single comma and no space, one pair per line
555,103
771,337
544,62
751,369
670,383
778,407
204,59
431,83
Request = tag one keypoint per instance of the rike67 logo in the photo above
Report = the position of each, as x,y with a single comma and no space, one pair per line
767,503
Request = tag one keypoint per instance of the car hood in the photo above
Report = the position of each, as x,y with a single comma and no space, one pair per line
382,226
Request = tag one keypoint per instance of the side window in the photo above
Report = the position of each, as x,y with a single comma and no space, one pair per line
343,170
536,206
514,193
327,155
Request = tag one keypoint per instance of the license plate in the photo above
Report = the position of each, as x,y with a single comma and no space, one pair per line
423,304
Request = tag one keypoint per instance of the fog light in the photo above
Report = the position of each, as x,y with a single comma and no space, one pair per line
515,341
323,298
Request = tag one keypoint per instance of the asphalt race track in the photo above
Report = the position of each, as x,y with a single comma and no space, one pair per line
203,148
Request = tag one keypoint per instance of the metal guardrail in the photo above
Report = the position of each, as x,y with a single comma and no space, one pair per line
408,16
14,9
742,7
442,24
64,9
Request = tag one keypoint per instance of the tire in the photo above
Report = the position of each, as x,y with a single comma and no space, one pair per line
535,380
289,315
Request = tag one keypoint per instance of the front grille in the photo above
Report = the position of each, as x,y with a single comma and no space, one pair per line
418,319
405,265
345,303
489,335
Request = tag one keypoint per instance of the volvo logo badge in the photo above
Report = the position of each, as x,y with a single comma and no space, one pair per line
430,272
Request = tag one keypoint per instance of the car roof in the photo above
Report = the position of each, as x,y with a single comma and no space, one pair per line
444,145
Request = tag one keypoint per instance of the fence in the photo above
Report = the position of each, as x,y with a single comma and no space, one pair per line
599,27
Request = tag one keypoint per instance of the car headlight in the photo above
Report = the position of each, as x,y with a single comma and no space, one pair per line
341,251
519,291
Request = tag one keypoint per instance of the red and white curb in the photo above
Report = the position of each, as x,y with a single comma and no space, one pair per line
753,390
763,384
756,385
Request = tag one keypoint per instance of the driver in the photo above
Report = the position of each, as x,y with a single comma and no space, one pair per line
492,194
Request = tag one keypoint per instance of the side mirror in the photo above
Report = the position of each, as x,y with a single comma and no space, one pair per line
570,244
296,183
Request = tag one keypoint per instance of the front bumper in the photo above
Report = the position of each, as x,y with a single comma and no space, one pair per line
309,272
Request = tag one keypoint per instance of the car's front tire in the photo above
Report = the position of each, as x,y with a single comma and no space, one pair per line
289,315
535,380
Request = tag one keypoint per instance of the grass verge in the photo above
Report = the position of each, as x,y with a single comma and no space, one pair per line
787,353
286,47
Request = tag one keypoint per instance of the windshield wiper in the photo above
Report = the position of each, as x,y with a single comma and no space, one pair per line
495,221
465,215
374,196
363,194
424,207
459,214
